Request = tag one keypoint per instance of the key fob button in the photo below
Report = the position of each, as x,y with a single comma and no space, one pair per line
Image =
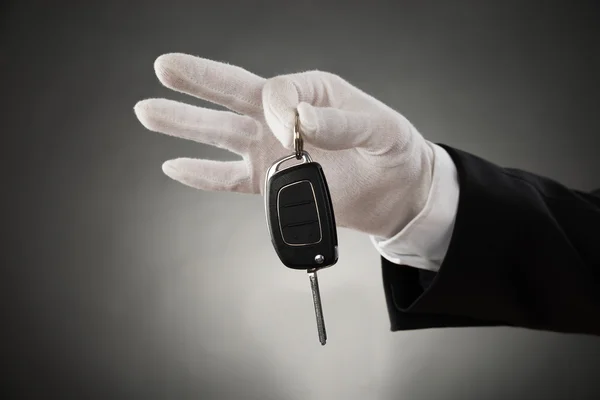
297,192
302,234
298,215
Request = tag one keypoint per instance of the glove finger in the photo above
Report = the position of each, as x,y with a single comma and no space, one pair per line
222,129
321,89
210,175
334,129
282,95
223,84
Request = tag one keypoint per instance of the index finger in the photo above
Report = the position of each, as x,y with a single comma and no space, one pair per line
223,84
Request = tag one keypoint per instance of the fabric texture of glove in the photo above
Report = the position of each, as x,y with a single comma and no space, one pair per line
424,242
378,166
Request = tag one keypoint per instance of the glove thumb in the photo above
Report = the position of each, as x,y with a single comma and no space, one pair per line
324,127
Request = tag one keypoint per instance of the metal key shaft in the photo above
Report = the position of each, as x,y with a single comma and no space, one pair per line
316,294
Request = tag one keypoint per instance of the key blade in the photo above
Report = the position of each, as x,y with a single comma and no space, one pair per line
316,294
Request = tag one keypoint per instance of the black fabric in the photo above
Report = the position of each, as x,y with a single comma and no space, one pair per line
525,252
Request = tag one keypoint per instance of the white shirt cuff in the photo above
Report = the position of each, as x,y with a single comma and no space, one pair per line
423,243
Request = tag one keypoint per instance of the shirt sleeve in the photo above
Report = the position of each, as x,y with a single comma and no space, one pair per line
423,243
523,253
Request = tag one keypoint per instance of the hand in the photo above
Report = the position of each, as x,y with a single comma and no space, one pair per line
378,167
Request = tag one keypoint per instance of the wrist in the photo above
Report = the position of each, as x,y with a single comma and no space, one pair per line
424,240
414,190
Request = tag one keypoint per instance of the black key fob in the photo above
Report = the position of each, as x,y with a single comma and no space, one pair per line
300,214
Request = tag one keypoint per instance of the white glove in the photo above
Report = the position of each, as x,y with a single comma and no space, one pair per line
378,167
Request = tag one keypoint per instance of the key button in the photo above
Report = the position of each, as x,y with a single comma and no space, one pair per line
297,192
303,233
298,215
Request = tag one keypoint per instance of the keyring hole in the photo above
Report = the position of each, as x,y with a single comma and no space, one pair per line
290,163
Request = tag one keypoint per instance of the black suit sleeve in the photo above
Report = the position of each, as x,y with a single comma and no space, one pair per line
525,252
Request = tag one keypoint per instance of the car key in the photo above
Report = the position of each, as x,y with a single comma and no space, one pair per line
301,220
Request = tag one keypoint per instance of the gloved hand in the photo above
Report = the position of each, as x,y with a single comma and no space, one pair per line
378,166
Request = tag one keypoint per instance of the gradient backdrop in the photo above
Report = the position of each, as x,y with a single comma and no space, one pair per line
119,283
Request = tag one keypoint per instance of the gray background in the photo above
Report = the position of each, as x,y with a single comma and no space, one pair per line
121,284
